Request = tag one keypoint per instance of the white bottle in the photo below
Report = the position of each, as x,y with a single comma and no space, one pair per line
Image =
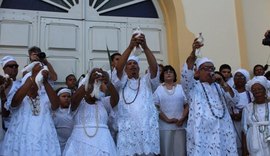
201,40
138,49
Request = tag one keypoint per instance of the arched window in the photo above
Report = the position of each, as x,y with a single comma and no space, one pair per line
123,8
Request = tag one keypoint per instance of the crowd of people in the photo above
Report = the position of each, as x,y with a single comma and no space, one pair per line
122,113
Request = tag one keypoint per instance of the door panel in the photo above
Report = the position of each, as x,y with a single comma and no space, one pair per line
62,41
99,36
17,33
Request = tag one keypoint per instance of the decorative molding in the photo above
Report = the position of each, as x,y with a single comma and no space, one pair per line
93,6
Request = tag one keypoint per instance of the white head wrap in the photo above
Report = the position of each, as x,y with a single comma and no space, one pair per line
134,58
64,90
244,72
200,61
258,79
7,59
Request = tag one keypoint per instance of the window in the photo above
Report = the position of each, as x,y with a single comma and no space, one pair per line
122,8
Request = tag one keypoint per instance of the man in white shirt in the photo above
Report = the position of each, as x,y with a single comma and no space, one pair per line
138,132
209,128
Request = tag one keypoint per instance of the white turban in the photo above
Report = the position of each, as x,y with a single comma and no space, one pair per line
134,58
64,90
258,79
7,59
200,61
244,72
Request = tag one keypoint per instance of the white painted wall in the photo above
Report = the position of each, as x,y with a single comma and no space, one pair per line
216,19
256,21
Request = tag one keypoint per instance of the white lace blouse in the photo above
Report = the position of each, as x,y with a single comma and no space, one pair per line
137,116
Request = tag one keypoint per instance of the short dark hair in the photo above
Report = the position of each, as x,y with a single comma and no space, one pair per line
267,75
257,65
224,66
34,49
114,55
70,75
166,68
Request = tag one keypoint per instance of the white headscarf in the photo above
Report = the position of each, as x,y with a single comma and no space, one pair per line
244,72
258,79
7,59
64,90
200,61
134,58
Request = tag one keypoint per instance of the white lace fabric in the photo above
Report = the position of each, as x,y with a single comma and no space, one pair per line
100,144
206,134
138,121
256,143
31,135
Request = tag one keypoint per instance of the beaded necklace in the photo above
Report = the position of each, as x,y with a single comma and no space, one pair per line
35,105
138,88
97,125
210,106
266,116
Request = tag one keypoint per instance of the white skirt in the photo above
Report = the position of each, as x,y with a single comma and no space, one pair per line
80,144
173,142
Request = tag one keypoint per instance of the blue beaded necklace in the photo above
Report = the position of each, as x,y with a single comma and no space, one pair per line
210,106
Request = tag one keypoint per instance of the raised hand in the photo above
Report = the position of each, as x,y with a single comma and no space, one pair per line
196,44
141,40
36,69
45,74
134,41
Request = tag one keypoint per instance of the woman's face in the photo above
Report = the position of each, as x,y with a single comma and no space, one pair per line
239,80
65,99
258,91
169,76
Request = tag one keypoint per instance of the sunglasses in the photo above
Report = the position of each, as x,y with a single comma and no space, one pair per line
208,68
12,66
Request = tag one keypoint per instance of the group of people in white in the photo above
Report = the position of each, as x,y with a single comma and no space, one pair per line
121,113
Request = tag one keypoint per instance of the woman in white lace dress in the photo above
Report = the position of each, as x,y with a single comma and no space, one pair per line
90,135
255,120
173,111
31,130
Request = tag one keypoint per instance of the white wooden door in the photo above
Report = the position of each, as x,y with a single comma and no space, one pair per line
62,41
154,34
99,36
17,33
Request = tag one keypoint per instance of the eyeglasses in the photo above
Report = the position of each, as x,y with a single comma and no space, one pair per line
12,66
208,68
239,77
